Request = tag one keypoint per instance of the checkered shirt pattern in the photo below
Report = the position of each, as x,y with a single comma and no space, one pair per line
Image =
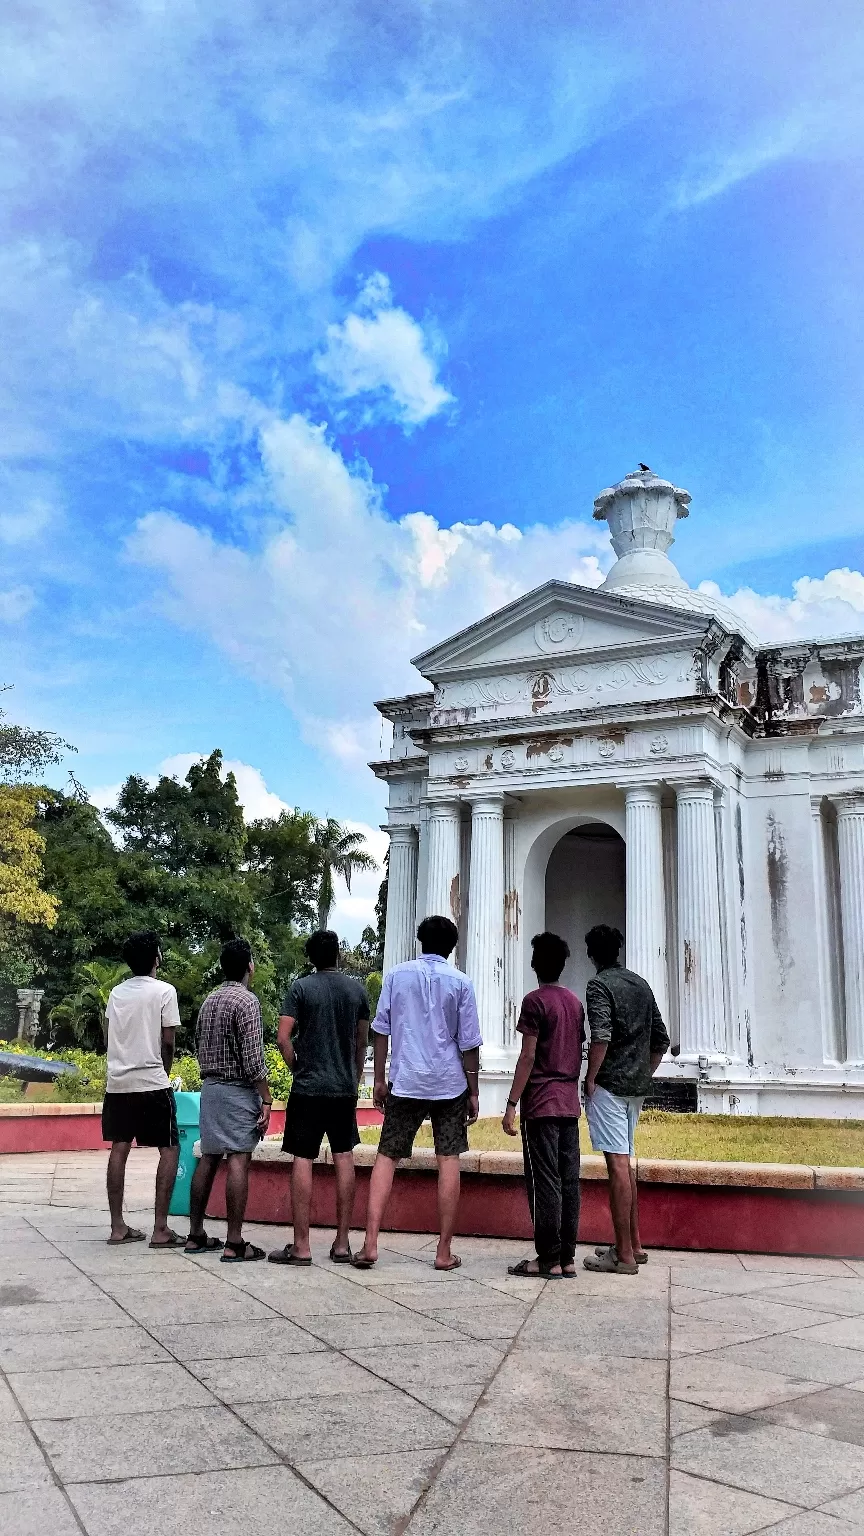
230,1036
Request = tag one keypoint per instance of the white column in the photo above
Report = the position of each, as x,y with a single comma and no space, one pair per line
486,924
512,936
850,840
700,960
646,896
399,933
827,998
442,882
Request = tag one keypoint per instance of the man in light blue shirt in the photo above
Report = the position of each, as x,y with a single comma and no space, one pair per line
428,1013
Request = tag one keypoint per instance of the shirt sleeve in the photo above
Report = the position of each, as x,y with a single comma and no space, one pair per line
291,1007
363,1009
529,1019
599,1005
660,1041
468,1035
381,1021
170,1009
250,1039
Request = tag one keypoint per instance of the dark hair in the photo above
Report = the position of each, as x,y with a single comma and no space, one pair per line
235,959
604,944
141,951
549,954
438,936
322,948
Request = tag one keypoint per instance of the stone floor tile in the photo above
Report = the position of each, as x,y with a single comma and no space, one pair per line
40,1285
756,1313
700,1508
300,1294
731,1387
222,1341
9,1410
836,1412
799,1357
563,1402
22,1464
484,1491
144,1444
779,1463
693,1335
454,1403
633,1327
843,1297
78,1392
686,1416
82,1347
779,1263
33,1511
266,1378
490,1322
377,1493
316,1428
433,1298
812,1523
41,1317
441,1365
513,1289
850,1507
253,1502
402,1242
696,1257
731,1282
845,1332
376,1330
228,1306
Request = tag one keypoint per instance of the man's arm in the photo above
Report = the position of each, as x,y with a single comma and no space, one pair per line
380,1090
598,1005
284,1041
524,1068
659,1037
166,1046
471,1068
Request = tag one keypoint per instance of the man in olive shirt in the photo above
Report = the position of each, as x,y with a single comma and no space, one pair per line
628,1041
323,1033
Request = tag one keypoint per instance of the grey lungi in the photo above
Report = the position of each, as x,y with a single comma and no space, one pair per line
229,1114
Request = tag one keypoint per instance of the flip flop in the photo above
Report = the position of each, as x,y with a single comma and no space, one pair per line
203,1244
248,1256
340,1258
522,1272
445,1269
131,1235
641,1258
287,1256
608,1263
174,1241
358,1262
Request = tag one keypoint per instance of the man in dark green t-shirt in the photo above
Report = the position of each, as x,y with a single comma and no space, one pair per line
323,1032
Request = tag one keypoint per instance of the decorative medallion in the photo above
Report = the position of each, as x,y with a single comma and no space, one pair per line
606,746
461,765
556,753
508,758
558,631
659,746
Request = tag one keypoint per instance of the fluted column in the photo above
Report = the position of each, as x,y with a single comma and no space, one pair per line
486,923
442,881
700,959
646,896
399,937
850,842
825,981
512,936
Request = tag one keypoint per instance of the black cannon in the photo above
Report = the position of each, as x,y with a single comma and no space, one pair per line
32,1069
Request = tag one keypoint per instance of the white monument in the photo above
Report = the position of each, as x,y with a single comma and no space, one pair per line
631,754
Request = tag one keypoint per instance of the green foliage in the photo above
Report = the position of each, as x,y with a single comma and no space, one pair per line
340,852
187,1068
278,1075
86,1086
82,1012
374,983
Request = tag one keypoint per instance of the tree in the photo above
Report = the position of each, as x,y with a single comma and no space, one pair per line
340,852
23,902
83,1012
24,753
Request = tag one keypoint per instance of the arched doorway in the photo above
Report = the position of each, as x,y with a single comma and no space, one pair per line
585,884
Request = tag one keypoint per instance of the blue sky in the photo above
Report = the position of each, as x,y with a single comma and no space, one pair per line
322,332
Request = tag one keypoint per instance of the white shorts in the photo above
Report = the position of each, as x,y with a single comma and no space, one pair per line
612,1121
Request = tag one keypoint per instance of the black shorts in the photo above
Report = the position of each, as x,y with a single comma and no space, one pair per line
309,1117
148,1118
404,1117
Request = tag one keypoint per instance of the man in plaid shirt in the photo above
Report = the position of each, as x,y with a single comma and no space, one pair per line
235,1100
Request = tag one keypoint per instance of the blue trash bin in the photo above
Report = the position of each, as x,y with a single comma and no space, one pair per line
188,1129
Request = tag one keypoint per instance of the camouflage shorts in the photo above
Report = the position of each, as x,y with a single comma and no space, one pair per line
404,1117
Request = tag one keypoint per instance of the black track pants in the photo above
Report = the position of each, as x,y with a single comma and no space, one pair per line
551,1148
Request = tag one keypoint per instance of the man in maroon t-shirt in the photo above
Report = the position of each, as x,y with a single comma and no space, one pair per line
552,1026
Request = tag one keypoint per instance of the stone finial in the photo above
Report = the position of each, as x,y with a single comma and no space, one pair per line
642,511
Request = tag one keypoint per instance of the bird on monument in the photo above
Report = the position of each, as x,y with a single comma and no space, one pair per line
645,469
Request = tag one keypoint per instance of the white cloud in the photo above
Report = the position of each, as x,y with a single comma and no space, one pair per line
16,603
830,605
380,351
332,605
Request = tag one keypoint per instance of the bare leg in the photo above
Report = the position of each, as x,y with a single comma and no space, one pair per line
448,1206
116,1180
202,1184
166,1173
635,1239
343,1164
301,1205
621,1202
236,1193
380,1186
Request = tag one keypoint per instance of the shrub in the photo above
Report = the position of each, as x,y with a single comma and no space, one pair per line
278,1075
187,1068
374,982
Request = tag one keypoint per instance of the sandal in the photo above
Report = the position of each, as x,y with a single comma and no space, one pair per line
131,1235
608,1263
287,1256
340,1258
522,1272
241,1253
359,1262
174,1241
641,1258
446,1268
202,1244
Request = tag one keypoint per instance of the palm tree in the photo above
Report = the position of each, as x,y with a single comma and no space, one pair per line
79,1009
340,852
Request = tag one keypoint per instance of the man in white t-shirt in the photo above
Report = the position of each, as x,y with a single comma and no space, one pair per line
140,1023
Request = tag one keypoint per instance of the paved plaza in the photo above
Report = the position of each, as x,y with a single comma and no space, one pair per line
145,1392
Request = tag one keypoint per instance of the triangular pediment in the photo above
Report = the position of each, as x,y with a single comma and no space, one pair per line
561,622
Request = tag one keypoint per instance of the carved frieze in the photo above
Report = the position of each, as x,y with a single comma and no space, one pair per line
558,632
558,687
